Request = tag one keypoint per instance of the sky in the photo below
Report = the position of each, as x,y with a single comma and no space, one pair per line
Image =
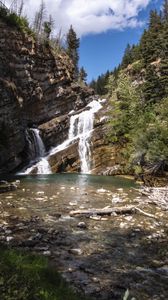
105,27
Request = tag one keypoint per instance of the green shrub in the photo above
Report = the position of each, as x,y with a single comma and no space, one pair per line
13,20
137,66
3,12
28,277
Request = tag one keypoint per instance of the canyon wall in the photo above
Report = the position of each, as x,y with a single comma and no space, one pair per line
37,88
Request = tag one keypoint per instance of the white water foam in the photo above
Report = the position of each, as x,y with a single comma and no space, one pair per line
42,166
81,126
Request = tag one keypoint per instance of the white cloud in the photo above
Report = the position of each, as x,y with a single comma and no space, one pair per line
90,16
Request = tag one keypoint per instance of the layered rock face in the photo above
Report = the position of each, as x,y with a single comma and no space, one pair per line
36,89
12,140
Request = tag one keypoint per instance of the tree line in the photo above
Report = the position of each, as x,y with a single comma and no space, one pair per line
43,29
138,92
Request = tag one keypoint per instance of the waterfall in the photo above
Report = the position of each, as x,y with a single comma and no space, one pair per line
36,142
81,127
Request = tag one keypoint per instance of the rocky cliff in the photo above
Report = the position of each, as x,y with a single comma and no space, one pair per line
36,89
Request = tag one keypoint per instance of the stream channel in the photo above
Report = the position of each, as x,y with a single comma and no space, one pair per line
101,256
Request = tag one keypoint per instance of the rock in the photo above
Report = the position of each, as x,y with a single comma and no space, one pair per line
96,218
47,253
75,251
9,238
7,187
29,243
82,225
37,87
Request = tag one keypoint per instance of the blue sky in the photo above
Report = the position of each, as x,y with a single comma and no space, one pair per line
100,52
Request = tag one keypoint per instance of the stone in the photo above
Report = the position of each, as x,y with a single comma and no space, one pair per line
9,238
82,225
75,251
47,253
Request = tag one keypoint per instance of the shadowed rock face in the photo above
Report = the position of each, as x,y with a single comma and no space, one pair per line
12,140
36,89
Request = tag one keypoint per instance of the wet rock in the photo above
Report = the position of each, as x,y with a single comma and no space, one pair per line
9,238
41,248
47,253
8,187
95,217
75,251
2,182
82,225
29,243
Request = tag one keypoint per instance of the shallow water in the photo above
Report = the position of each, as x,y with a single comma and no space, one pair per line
108,254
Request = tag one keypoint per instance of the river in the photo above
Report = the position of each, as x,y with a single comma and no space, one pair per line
102,256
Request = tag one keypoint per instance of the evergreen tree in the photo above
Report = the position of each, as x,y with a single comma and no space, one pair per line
165,11
72,49
127,58
152,89
82,75
164,51
135,53
48,26
93,85
150,42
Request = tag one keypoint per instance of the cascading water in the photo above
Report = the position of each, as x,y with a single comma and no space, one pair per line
81,126
42,166
37,142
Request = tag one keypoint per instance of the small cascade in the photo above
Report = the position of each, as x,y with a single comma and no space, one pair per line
43,166
81,126
37,144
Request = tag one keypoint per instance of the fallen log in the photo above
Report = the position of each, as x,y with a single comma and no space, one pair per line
144,213
103,211
108,211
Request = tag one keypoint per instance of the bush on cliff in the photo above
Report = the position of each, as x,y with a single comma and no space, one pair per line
13,20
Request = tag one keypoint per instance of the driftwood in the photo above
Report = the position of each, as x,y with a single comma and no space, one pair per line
108,211
103,211
159,196
144,213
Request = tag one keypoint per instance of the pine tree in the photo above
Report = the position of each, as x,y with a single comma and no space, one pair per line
153,89
127,59
48,26
135,53
72,49
165,10
150,45
82,75
93,84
